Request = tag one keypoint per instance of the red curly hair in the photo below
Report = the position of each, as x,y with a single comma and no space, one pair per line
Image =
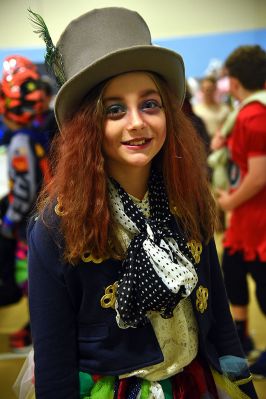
80,179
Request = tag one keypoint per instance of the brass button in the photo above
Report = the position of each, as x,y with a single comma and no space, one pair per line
196,249
202,299
88,257
109,298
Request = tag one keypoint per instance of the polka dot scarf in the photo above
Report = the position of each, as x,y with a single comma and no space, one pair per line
158,269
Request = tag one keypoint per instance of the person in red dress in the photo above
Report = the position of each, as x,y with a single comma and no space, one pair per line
245,238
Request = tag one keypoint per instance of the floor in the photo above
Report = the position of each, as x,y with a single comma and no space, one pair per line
12,318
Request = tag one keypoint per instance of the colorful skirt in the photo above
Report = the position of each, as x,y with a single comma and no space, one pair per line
196,381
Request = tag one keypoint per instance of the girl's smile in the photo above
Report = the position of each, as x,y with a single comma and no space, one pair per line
137,143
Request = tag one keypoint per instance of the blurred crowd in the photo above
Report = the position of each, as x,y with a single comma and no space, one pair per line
27,126
228,110
231,103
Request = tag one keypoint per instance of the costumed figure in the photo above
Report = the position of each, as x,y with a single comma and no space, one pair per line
21,100
126,293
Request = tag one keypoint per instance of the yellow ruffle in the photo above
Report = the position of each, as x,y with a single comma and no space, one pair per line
225,386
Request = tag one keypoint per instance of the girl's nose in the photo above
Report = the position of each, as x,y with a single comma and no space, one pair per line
135,120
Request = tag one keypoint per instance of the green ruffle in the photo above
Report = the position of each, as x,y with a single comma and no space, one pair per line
145,389
167,388
103,388
85,384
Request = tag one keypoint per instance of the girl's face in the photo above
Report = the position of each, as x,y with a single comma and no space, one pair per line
135,124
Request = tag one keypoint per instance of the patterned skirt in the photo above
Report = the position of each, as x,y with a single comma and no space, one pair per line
196,381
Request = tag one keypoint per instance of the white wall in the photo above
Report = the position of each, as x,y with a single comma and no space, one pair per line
166,18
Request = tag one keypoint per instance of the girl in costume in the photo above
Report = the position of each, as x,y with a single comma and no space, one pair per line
126,294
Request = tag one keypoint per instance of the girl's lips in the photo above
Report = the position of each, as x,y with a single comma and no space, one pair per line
139,142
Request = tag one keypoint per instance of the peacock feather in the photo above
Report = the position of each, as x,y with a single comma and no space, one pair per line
53,57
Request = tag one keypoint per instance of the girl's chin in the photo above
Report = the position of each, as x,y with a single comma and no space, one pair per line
138,163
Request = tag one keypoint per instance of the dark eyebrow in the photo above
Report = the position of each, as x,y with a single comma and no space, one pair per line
142,94
112,99
148,92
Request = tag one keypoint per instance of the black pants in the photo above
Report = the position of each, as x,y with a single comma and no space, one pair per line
9,291
235,270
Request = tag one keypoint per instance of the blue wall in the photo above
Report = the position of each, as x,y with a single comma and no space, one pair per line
36,55
197,51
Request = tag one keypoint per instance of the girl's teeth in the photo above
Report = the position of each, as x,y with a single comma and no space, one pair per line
140,142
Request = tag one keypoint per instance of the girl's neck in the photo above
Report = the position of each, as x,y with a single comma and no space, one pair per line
133,180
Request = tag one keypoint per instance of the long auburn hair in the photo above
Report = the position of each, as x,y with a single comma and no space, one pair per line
79,180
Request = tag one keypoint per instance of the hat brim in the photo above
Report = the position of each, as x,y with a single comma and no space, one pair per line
149,58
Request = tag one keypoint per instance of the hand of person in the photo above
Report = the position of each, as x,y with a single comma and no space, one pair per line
224,200
7,228
218,141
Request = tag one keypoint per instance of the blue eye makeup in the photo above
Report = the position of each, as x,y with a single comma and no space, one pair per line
151,105
115,110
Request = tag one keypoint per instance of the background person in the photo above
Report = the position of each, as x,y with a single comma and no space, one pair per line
212,111
197,122
46,119
245,238
21,101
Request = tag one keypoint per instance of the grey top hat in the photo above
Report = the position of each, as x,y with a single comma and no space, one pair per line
104,43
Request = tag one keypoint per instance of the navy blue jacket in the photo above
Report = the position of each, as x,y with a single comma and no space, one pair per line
72,331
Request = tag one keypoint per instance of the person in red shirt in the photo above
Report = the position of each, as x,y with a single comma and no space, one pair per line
245,238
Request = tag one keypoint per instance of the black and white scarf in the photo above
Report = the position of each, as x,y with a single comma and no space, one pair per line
158,269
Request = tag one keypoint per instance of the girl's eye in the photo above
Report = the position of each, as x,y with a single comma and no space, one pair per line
115,111
151,105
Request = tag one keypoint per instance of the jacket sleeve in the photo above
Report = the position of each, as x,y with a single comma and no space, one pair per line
53,319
